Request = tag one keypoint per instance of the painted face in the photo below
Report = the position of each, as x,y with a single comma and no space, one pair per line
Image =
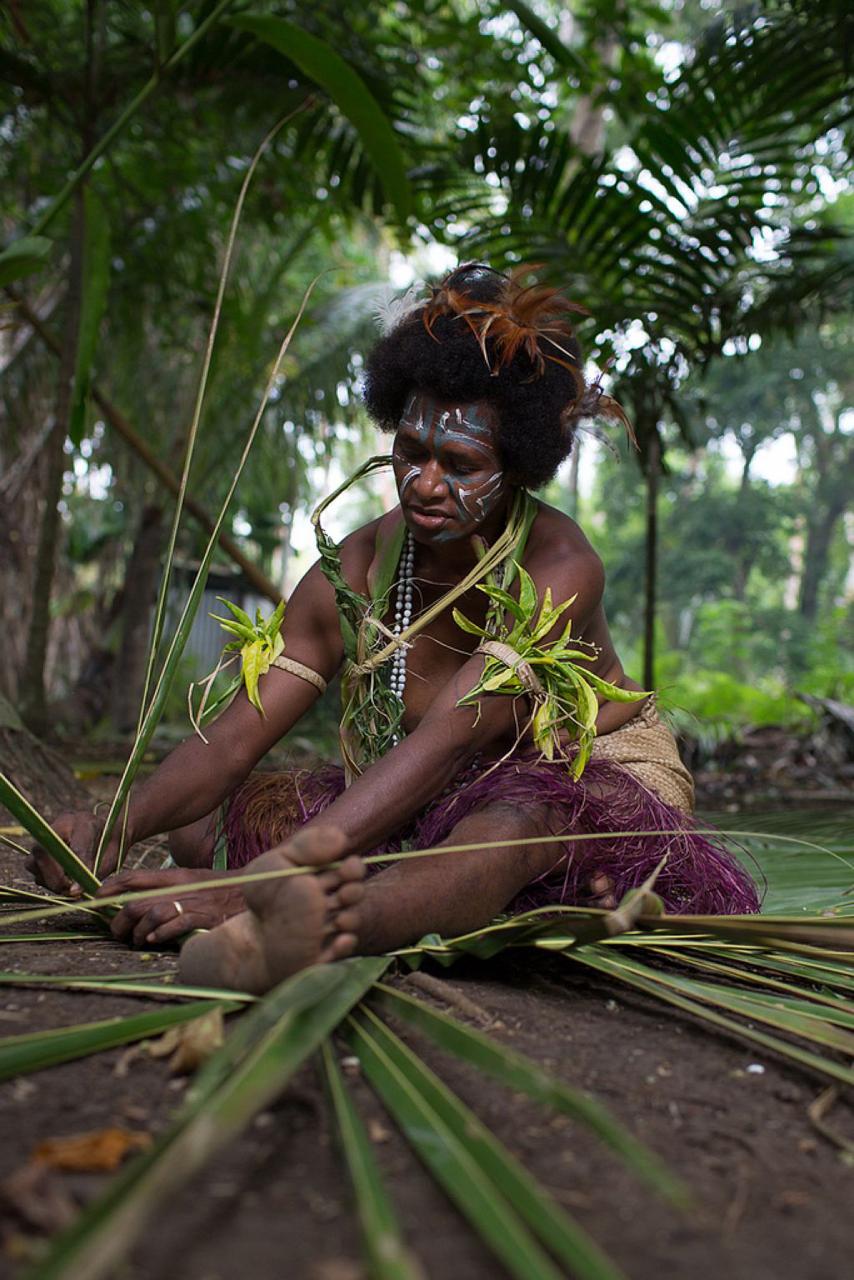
447,468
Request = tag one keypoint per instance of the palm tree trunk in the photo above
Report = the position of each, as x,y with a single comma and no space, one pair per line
651,562
820,531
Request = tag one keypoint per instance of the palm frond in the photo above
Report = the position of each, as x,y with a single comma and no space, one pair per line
516,1071
667,225
387,1255
36,1050
505,1204
251,1068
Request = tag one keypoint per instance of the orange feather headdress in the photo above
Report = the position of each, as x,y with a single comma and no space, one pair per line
529,318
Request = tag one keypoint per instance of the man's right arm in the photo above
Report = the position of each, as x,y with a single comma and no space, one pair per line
196,777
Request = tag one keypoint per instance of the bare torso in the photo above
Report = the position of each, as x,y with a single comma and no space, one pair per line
557,554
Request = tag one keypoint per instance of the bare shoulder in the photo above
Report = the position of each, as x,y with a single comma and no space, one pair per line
560,555
311,629
358,550
314,593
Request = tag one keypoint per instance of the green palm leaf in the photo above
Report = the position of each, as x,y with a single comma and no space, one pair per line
39,1049
320,62
490,1187
252,1067
520,1073
387,1255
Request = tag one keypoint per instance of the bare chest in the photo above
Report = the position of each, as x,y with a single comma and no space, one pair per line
439,650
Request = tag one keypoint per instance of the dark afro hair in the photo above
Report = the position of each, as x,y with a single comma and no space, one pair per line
530,398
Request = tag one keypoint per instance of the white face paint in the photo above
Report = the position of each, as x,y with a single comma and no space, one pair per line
410,475
458,445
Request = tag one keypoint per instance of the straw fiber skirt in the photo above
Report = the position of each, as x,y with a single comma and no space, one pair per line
635,790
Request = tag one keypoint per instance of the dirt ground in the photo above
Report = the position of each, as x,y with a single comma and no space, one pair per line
773,1195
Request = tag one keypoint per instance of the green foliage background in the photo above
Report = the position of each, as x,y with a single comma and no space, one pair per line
662,161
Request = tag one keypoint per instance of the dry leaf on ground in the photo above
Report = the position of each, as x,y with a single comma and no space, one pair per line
191,1043
101,1151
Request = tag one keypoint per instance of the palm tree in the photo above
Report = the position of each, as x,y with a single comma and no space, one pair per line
700,224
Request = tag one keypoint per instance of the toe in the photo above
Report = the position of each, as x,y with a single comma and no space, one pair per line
341,946
315,846
348,895
348,921
352,868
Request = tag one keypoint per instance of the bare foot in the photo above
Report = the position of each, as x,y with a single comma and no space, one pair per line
291,923
602,889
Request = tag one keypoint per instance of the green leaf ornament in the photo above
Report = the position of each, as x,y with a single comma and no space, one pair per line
565,703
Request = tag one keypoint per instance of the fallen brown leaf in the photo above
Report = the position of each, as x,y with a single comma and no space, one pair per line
191,1043
337,1269
377,1132
101,1151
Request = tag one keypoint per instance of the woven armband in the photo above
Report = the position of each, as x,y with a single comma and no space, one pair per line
299,670
505,653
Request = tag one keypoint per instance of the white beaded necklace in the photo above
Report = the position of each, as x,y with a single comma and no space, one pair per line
402,615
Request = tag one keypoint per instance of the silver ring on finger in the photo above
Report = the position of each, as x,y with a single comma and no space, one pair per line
179,910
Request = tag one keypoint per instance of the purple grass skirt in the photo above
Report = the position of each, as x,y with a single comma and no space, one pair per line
700,876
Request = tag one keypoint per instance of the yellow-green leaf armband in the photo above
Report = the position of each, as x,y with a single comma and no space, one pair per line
261,647
562,694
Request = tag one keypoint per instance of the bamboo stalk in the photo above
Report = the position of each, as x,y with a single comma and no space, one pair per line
192,434
125,985
753,928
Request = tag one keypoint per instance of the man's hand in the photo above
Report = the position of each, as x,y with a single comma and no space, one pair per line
81,831
153,922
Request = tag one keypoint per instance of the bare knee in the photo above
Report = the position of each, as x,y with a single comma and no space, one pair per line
531,827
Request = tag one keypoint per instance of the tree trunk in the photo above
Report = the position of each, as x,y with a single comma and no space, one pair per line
132,437
830,498
743,562
572,478
820,531
140,595
33,701
38,772
651,558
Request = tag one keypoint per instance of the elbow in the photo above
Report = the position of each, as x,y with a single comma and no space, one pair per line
460,743
457,758
230,771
